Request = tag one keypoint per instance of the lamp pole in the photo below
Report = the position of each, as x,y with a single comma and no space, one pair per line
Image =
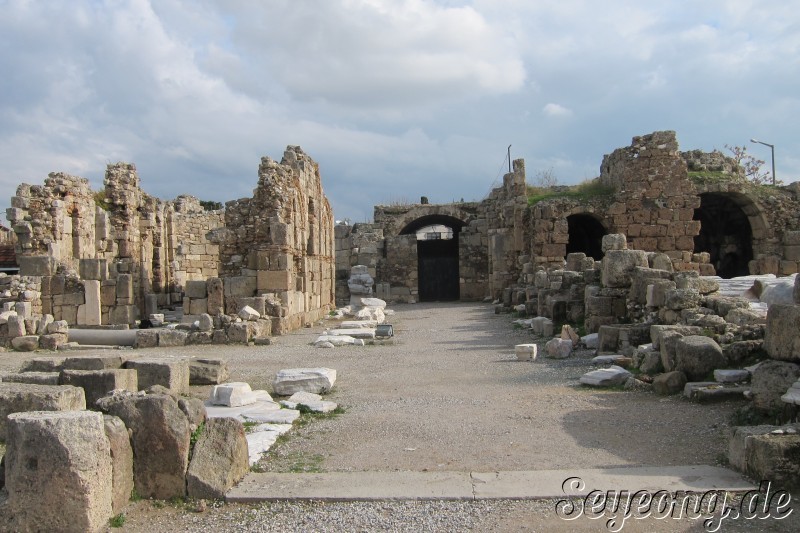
772,148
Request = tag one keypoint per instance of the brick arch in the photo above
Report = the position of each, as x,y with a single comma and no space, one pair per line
400,222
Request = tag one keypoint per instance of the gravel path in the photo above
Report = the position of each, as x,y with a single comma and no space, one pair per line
449,395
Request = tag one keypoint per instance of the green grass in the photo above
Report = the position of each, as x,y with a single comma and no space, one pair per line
582,191
117,520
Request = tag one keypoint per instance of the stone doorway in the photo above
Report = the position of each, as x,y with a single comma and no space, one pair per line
437,257
585,235
725,233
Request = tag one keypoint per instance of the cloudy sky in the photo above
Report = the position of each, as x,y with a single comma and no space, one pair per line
394,98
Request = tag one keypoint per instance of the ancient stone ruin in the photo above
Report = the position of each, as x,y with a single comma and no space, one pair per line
114,257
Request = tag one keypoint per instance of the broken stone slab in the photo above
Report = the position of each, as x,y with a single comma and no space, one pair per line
236,394
792,395
356,333
691,387
33,378
300,397
248,313
525,352
558,348
350,324
254,410
605,377
58,471
219,459
316,380
25,343
336,340
98,383
261,439
591,341
275,416
172,374
208,371
731,376
323,406
604,360
52,341
101,337
160,436
718,393
20,397
738,444
121,462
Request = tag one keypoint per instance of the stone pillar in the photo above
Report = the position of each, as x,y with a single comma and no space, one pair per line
89,313
58,471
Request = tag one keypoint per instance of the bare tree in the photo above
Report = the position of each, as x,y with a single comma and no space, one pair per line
545,178
751,167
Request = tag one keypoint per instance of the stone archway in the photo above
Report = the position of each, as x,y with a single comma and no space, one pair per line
585,235
726,232
437,256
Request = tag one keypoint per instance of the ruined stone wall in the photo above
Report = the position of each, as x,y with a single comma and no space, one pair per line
359,244
65,229
280,243
505,214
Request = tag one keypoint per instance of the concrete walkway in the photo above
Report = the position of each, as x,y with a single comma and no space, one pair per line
523,485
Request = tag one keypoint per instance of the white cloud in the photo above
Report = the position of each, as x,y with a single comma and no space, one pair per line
556,110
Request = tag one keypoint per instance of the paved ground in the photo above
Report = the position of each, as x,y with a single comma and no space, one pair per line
449,396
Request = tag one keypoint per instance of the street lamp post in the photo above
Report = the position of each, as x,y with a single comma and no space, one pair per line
772,148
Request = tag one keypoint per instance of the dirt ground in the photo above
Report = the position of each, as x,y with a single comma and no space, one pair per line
449,395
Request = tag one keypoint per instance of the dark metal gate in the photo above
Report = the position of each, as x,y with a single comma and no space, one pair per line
438,269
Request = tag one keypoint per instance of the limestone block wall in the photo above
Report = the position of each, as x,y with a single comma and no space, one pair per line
359,244
191,255
505,214
280,242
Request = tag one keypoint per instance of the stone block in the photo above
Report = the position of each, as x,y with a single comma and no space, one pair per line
172,374
89,313
275,280
121,462
124,314
98,383
248,313
33,378
739,443
618,266
171,338
93,269
605,377
216,296
315,380
197,306
669,383
36,265
238,333
558,348
781,340
26,343
234,394
16,326
240,286
160,437
698,356
208,371
146,338
43,364
770,381
525,352
775,457
614,241
53,341
124,286
59,474
196,289
94,362
19,397
219,460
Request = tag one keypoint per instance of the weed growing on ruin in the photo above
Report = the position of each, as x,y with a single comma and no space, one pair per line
135,496
195,436
249,425
117,520
582,191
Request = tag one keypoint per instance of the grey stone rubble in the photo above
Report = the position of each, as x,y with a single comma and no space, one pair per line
606,377
314,380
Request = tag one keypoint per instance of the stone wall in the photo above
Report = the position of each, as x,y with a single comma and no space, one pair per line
279,244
